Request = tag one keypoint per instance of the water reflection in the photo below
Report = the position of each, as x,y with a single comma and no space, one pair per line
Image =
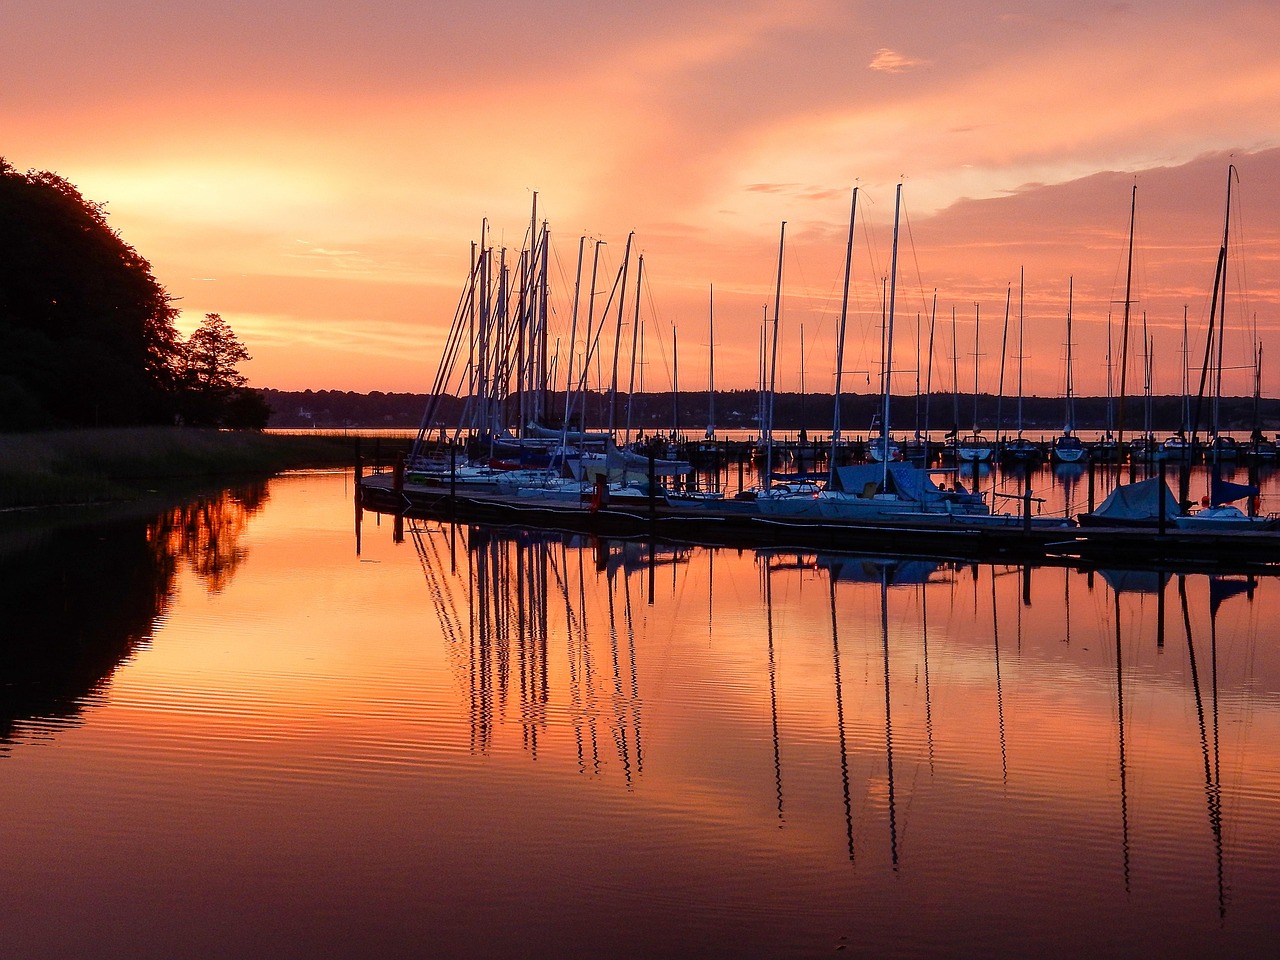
1037,699
622,749
80,598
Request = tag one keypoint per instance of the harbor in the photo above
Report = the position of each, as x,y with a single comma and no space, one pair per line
1026,532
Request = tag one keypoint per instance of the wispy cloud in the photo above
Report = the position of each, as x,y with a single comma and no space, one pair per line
890,61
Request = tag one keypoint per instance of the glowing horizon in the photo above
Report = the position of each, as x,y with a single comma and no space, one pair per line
322,193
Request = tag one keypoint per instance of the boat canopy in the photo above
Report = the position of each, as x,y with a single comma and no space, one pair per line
906,480
1138,501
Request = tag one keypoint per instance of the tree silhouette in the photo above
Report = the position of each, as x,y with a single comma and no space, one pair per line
214,392
86,331
211,356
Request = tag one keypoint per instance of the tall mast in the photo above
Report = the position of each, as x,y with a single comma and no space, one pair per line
773,363
976,354
675,384
573,339
1022,276
1124,334
543,335
888,337
711,366
844,316
1071,404
955,379
1186,377
928,377
635,342
1222,309
1004,349
1217,308
617,341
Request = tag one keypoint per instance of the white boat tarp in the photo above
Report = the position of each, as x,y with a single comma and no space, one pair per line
1138,501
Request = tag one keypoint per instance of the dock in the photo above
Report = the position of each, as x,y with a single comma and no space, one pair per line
996,538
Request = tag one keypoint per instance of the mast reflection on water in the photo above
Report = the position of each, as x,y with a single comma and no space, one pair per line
987,759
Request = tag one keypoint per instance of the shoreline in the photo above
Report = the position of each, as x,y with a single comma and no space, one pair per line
87,467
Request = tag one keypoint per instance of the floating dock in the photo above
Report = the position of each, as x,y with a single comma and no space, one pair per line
999,538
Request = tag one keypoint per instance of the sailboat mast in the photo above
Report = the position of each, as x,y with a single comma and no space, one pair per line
773,362
928,378
1186,377
1222,311
1071,412
1004,349
617,342
976,354
711,367
573,339
888,339
1022,276
955,378
1217,308
675,384
844,316
1124,328
635,343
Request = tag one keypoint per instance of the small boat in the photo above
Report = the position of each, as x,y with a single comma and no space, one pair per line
1176,447
1021,452
1068,448
1225,516
975,448
1134,505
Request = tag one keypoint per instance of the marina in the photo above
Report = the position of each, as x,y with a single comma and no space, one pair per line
1027,532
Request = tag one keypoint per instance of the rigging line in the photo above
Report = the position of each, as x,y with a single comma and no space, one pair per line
915,259
655,316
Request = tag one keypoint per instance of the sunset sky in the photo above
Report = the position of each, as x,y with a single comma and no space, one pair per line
316,172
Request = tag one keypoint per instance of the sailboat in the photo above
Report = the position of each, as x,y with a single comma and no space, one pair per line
1259,451
1177,447
793,496
884,489
1068,448
1021,451
1219,511
974,448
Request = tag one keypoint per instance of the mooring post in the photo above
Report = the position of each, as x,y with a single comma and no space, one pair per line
1026,501
1160,514
653,487
1092,472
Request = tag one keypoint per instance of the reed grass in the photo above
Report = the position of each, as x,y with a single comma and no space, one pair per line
94,466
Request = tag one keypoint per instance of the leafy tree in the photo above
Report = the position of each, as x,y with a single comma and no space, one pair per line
211,355
214,391
86,331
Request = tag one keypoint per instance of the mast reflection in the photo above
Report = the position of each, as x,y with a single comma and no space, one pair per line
561,637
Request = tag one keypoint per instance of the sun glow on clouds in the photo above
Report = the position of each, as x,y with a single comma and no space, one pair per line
890,61
701,129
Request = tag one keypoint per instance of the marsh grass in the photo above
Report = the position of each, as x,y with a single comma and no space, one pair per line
94,466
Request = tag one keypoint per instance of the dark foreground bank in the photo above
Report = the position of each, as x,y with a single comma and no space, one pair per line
98,466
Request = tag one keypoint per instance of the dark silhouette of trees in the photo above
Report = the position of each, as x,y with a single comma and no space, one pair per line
86,331
213,388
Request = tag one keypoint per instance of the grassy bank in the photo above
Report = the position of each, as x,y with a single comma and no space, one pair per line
94,466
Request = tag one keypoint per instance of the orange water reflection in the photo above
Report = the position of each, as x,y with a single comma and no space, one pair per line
629,750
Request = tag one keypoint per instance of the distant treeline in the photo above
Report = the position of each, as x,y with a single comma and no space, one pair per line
739,409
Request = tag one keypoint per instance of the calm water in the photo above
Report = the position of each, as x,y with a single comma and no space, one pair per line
224,732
